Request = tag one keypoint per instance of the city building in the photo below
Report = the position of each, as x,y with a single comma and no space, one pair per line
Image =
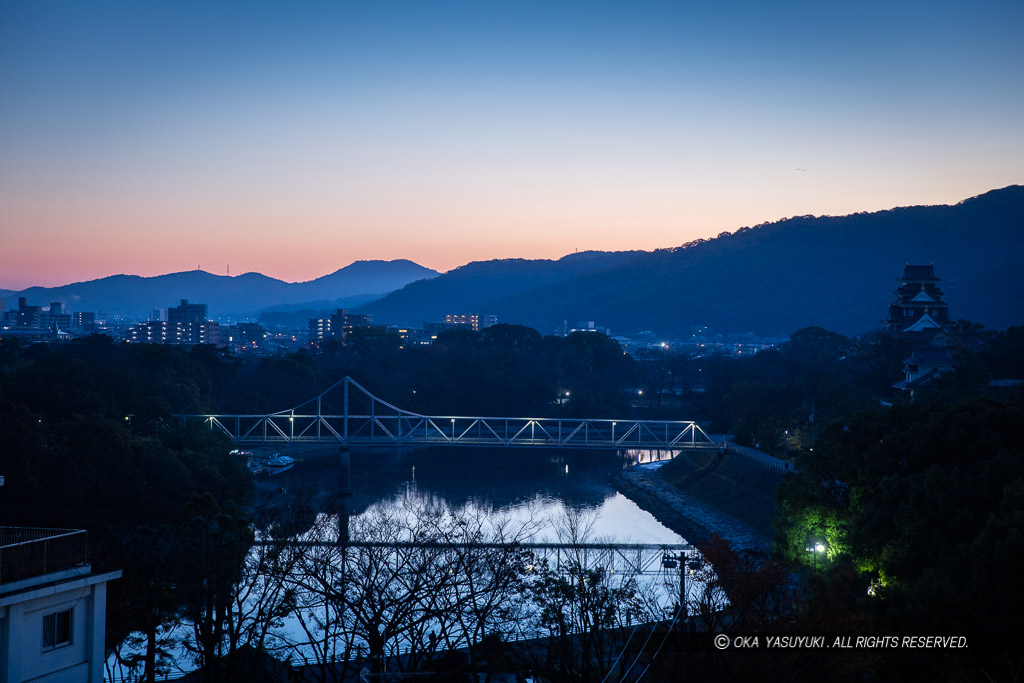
585,326
155,332
412,336
186,313
52,607
244,336
24,316
345,322
474,321
35,323
186,324
166,332
319,330
917,304
54,318
337,326
83,320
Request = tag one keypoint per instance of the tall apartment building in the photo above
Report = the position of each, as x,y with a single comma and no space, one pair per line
186,324
186,313
337,326
54,319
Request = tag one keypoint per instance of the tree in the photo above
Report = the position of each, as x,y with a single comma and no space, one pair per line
762,413
911,495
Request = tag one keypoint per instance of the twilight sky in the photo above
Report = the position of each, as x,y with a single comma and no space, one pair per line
293,138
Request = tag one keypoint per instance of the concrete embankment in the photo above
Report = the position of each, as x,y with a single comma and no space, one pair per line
729,484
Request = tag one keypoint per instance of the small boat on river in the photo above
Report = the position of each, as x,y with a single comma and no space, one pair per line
278,463
263,462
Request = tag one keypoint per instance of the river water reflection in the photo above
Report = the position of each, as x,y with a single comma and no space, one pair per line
542,484
530,492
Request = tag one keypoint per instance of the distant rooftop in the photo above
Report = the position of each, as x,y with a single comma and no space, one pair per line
28,552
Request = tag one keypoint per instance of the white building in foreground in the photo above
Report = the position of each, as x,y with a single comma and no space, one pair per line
52,608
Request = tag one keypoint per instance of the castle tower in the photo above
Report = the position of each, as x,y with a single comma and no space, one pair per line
917,305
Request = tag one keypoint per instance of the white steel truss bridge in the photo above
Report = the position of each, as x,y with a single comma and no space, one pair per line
365,420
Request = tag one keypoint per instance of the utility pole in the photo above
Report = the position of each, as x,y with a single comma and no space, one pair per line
684,610
670,562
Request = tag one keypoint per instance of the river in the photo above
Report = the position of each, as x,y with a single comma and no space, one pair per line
533,495
541,483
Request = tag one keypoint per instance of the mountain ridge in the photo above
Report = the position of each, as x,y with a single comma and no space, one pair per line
244,295
773,278
466,288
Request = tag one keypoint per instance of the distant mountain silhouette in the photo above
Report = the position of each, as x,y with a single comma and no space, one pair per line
132,296
836,272
474,287
364,277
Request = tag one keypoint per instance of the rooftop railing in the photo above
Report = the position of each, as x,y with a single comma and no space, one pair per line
27,552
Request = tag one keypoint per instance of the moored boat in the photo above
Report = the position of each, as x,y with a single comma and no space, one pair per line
278,463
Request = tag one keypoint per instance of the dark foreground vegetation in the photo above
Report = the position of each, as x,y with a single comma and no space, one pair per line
918,508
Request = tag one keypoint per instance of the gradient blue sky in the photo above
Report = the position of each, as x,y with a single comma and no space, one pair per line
294,138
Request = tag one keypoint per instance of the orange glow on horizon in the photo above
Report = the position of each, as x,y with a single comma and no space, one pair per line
137,241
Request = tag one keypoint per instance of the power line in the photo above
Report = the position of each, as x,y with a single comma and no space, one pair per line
621,652
656,652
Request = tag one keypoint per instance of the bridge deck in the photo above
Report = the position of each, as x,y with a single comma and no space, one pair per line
378,423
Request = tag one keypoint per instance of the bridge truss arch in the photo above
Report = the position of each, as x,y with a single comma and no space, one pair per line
347,414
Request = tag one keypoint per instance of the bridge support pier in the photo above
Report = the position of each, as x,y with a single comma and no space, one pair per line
344,492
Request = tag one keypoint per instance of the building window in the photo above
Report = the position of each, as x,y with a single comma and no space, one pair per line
57,629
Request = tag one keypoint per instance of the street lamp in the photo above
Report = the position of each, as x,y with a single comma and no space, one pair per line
818,547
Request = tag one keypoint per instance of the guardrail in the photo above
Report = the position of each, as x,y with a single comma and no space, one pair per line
760,458
29,552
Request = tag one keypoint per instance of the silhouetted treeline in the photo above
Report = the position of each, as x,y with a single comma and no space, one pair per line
89,443
502,370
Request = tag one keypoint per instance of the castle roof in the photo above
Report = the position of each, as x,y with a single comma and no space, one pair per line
919,273
925,322
923,296
931,355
